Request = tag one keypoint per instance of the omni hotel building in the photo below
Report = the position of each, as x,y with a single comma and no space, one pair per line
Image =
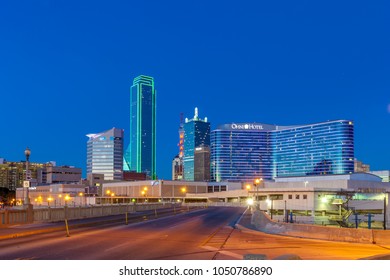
245,151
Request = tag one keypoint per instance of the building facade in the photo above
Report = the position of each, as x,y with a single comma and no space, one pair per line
140,155
202,163
196,134
12,174
177,168
247,151
383,174
59,174
105,154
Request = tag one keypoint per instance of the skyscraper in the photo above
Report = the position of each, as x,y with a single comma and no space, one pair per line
141,153
196,134
245,151
105,154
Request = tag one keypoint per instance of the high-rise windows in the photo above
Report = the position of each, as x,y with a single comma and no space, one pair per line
140,155
248,151
105,154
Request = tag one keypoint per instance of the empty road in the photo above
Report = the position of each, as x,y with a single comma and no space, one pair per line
204,234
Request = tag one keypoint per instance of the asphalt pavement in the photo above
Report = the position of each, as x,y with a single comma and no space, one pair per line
21,230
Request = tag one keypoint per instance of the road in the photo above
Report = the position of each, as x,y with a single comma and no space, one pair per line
204,234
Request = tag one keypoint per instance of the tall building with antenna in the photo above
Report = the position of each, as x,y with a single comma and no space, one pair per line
140,155
177,163
196,139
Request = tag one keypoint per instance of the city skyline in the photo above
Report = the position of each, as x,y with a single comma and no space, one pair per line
285,63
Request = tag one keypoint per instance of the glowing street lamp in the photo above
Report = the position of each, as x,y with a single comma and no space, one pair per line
26,186
67,198
248,187
48,201
256,183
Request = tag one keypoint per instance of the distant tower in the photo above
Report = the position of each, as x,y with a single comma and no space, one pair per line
196,135
105,153
177,163
141,153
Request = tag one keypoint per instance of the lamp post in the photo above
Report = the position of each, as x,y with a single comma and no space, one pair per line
144,193
256,183
184,190
248,187
48,201
384,211
27,153
112,198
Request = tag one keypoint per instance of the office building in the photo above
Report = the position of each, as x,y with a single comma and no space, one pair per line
361,167
105,154
12,174
177,163
196,134
202,163
247,151
140,155
177,168
52,174
383,174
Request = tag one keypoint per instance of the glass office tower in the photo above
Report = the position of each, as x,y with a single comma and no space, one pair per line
243,152
316,149
105,154
196,135
141,152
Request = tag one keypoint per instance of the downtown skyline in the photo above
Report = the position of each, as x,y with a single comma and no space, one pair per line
67,69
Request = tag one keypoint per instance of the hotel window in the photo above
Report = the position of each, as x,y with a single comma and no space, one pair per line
305,196
290,196
297,196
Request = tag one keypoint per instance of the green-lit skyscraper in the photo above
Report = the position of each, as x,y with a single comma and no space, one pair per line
140,155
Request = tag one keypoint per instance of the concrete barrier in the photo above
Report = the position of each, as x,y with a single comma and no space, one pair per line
263,223
48,214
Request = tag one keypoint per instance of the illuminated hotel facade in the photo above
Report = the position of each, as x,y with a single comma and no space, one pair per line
246,151
140,155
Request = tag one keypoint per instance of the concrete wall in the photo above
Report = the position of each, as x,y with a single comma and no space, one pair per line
21,216
263,223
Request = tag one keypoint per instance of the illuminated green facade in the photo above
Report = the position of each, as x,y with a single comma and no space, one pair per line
141,152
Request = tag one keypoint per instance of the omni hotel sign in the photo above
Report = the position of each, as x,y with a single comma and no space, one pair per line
247,126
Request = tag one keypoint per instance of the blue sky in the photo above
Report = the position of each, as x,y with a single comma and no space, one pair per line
66,68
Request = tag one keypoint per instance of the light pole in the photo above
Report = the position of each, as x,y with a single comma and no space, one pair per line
112,198
27,153
256,183
248,188
184,190
144,194
48,201
384,211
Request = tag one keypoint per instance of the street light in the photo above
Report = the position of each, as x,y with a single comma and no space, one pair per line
256,183
184,190
27,153
81,198
48,201
66,200
248,187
